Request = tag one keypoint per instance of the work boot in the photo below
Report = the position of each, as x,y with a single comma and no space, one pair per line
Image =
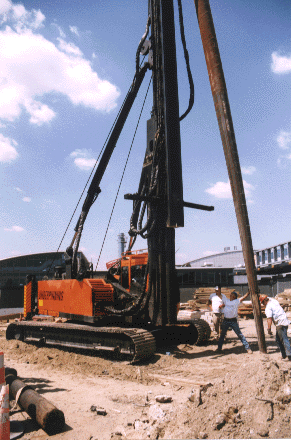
249,351
218,350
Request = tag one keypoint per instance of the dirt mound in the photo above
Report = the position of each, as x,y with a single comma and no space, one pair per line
77,362
251,402
208,395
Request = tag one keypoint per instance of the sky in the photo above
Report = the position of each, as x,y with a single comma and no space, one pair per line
66,67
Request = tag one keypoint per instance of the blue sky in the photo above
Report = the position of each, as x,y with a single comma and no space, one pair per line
65,69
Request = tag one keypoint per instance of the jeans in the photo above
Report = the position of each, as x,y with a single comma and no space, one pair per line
283,340
217,322
233,324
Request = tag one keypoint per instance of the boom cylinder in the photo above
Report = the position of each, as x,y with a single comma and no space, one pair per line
223,113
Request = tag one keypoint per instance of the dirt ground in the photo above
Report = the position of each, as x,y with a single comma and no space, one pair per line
229,395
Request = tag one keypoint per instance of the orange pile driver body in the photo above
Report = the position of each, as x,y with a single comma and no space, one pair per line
88,297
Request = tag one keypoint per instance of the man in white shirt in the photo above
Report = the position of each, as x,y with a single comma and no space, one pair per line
275,313
230,320
216,300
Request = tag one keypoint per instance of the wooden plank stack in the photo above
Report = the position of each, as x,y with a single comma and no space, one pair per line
201,296
284,299
245,310
189,305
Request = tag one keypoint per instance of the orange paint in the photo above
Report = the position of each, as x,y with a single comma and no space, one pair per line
73,296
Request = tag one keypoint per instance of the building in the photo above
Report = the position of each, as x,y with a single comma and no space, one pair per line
275,259
228,269
211,270
228,258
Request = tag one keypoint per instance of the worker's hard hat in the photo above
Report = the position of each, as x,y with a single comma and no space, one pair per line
262,298
218,287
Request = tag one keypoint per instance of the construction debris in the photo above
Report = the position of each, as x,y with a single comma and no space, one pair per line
99,411
163,399
195,396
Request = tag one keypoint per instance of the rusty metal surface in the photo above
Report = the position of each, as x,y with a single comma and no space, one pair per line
223,113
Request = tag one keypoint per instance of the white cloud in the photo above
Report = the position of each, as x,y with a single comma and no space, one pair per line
5,6
222,190
83,159
39,113
8,151
32,67
248,187
74,30
61,32
284,140
24,198
248,170
19,16
281,161
14,229
69,48
84,164
280,64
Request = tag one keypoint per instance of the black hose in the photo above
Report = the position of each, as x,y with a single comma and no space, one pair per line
186,56
137,66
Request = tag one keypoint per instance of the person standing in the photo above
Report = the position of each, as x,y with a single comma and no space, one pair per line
275,313
214,303
230,320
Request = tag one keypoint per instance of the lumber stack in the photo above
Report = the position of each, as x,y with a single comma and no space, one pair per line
201,295
284,298
245,310
189,305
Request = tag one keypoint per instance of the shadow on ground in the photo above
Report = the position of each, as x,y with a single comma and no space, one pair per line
41,385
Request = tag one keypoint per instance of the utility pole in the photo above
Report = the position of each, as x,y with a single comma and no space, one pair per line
223,113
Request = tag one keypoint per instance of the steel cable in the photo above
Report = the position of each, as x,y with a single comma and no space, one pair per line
123,173
97,160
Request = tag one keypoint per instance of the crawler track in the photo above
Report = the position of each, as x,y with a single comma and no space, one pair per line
203,331
135,343
199,331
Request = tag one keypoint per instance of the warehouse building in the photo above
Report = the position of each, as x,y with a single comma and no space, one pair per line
212,269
